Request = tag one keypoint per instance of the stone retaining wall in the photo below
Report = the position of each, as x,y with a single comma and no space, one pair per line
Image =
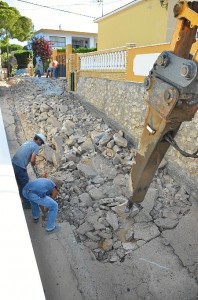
123,104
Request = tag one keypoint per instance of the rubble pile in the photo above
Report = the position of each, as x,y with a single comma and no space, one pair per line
93,162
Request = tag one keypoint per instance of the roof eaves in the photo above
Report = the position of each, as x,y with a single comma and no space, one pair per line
64,31
117,10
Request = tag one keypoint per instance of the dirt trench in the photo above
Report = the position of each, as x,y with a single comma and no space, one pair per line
93,162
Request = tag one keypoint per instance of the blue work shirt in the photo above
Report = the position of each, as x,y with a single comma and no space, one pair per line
23,155
41,187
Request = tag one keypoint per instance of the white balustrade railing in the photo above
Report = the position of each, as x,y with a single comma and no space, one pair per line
115,60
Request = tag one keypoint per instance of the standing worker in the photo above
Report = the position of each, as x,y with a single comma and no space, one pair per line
39,68
41,192
26,153
49,70
55,65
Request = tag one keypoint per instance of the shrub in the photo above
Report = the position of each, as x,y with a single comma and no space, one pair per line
41,47
61,50
83,50
4,59
22,58
12,47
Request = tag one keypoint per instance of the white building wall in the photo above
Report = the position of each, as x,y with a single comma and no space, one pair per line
69,37
92,42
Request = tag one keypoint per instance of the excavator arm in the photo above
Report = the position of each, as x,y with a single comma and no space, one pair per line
172,87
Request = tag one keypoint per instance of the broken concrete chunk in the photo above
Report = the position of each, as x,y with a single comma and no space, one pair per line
129,246
145,231
143,216
120,180
96,194
166,223
85,200
105,139
86,166
119,140
84,228
107,245
129,235
54,122
112,220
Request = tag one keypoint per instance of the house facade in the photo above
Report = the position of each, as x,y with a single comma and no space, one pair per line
61,38
140,22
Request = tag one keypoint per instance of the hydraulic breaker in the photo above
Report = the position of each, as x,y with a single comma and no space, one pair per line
172,87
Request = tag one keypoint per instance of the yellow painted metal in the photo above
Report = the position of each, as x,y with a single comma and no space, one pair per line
160,119
187,13
185,32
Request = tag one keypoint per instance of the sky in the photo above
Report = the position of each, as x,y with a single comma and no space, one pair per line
52,19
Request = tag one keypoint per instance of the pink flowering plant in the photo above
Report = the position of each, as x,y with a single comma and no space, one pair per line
41,47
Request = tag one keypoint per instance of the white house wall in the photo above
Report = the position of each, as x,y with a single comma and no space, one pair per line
69,37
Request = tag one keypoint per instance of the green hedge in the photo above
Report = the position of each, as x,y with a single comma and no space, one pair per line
83,50
12,47
61,50
78,50
22,58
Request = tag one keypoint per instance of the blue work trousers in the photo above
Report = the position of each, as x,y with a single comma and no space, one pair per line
21,178
46,201
55,72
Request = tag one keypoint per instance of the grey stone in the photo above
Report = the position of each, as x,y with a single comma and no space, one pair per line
92,236
117,244
142,216
129,235
105,139
85,200
48,152
105,235
97,179
110,144
119,140
96,194
54,122
87,145
145,231
140,243
166,223
107,245
45,107
113,258
112,220
90,244
120,180
98,226
169,214
92,218
85,197
129,246
84,228
58,142
87,167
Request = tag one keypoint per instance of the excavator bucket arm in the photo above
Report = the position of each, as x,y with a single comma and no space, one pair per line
172,87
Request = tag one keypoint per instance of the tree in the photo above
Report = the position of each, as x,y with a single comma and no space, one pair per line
12,47
41,47
13,25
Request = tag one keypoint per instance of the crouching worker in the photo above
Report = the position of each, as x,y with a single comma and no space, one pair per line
42,191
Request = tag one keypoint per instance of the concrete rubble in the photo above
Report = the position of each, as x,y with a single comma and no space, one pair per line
151,253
